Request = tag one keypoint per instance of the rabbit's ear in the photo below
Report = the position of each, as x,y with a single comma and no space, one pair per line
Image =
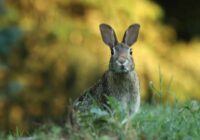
108,35
131,34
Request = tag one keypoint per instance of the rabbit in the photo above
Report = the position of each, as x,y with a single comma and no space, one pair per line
120,81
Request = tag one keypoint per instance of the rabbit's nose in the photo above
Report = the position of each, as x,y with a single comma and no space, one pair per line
122,61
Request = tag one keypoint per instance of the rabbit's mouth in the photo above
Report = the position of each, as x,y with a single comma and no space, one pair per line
123,68
120,68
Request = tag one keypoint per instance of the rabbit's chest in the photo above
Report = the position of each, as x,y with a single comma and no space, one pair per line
123,91
122,87
123,95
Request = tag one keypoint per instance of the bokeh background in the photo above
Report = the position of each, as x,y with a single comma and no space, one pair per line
51,51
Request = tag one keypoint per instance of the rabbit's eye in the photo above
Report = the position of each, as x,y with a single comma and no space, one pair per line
131,52
112,51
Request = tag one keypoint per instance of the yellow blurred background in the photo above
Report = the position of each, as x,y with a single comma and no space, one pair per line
51,51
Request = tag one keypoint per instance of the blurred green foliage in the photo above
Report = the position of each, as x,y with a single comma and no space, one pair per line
51,51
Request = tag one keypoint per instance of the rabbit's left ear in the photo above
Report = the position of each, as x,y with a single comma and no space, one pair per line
131,34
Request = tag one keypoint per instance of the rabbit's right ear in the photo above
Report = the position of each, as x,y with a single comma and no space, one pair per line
131,34
108,35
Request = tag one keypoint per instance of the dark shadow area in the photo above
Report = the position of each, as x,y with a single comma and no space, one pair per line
184,16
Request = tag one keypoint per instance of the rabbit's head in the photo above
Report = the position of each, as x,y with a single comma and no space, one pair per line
121,60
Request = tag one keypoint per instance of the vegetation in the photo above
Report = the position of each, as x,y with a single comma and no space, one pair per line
154,122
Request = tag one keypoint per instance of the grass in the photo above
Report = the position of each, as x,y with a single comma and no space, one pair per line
153,122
